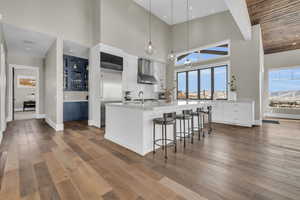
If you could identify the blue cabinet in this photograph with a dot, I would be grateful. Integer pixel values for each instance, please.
(75, 73)
(74, 111)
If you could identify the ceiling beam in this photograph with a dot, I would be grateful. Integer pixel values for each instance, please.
(240, 14)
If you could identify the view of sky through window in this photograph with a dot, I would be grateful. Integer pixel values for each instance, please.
(284, 88)
(205, 54)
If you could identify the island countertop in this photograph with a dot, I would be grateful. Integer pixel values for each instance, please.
(162, 105)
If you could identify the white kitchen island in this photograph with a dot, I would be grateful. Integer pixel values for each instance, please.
(131, 124)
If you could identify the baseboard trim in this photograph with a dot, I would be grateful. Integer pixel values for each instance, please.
(257, 123)
(94, 123)
(282, 115)
(56, 127)
(40, 116)
(9, 119)
(1, 136)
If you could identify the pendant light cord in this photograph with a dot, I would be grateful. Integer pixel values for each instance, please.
(172, 21)
(150, 21)
(188, 24)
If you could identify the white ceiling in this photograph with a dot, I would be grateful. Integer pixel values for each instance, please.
(198, 8)
(25, 42)
(74, 49)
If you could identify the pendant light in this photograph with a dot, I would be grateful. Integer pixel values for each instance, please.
(188, 62)
(150, 48)
(171, 56)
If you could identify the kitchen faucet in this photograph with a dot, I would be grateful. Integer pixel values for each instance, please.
(142, 93)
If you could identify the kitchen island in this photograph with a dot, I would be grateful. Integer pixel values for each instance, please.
(131, 124)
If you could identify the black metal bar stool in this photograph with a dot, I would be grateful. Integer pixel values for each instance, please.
(164, 141)
(199, 116)
(186, 116)
(208, 114)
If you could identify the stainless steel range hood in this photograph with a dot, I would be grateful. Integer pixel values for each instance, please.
(146, 72)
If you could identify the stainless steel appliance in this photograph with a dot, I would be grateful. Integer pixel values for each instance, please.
(146, 72)
(111, 81)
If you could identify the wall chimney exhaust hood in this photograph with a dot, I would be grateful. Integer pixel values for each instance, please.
(145, 72)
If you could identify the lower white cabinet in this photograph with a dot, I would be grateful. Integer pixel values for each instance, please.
(236, 113)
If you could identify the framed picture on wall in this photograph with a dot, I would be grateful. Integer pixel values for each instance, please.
(26, 81)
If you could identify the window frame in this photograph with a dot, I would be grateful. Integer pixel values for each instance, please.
(211, 83)
(198, 84)
(227, 86)
(186, 84)
(228, 42)
(211, 67)
(268, 93)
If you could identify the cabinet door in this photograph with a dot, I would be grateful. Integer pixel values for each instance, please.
(74, 111)
(160, 75)
(244, 114)
(130, 73)
(229, 113)
(84, 108)
(217, 112)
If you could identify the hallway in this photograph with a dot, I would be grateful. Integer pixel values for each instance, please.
(233, 163)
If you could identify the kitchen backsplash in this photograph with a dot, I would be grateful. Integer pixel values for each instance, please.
(69, 96)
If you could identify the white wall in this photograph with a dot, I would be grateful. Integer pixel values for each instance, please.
(245, 59)
(124, 25)
(17, 59)
(54, 85)
(3, 54)
(240, 14)
(68, 19)
(276, 61)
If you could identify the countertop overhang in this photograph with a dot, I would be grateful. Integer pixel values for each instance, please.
(161, 105)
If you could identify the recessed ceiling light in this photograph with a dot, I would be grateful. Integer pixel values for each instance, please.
(27, 48)
(297, 35)
(294, 43)
(165, 16)
(71, 51)
(191, 7)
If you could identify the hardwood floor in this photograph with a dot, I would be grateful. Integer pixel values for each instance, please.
(78, 164)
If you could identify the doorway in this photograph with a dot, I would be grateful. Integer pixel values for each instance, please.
(24, 92)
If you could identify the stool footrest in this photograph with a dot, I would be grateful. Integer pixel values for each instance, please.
(162, 140)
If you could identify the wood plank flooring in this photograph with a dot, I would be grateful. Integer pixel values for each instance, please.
(258, 163)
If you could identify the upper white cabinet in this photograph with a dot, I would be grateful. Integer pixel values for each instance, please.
(160, 75)
(130, 73)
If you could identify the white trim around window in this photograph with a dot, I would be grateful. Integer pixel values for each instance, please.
(203, 48)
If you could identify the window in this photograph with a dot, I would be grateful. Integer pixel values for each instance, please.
(181, 85)
(205, 84)
(220, 82)
(213, 52)
(284, 88)
(193, 84)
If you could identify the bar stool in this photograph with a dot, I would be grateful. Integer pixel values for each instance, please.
(167, 119)
(186, 116)
(207, 114)
(198, 114)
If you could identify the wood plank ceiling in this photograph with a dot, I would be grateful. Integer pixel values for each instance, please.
(280, 23)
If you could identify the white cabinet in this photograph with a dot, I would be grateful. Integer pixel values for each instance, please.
(130, 73)
(160, 75)
(217, 112)
(238, 113)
